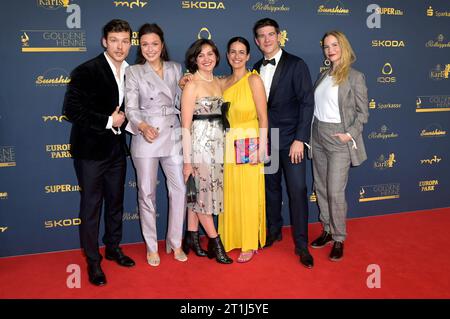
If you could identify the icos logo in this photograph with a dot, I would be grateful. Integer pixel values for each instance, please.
(333, 7)
(433, 103)
(70, 40)
(431, 12)
(431, 161)
(383, 134)
(7, 156)
(388, 43)
(204, 33)
(428, 186)
(53, 77)
(440, 42)
(387, 76)
(58, 150)
(369, 193)
(433, 130)
(383, 106)
(61, 188)
(130, 4)
(208, 5)
(62, 223)
(3, 195)
(54, 118)
(383, 162)
(440, 72)
(270, 6)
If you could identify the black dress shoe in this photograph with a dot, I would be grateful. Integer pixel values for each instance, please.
(271, 238)
(322, 240)
(337, 252)
(306, 259)
(117, 255)
(96, 275)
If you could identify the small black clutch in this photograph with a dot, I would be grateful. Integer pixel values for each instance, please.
(191, 190)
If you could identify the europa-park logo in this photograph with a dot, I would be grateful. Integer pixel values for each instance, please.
(432, 12)
(130, 4)
(333, 7)
(53, 77)
(208, 5)
(73, 39)
(7, 156)
(57, 151)
(369, 193)
(440, 42)
(270, 6)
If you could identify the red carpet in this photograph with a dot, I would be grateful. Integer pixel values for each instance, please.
(410, 248)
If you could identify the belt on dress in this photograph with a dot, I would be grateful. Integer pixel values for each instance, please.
(207, 117)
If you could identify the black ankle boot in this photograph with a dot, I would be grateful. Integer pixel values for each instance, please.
(215, 249)
(192, 241)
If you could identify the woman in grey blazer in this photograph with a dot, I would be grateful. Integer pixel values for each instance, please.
(151, 101)
(340, 111)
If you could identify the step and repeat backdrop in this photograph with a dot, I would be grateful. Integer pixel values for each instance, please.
(403, 48)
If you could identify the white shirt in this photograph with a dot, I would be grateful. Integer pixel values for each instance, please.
(266, 72)
(120, 80)
(327, 102)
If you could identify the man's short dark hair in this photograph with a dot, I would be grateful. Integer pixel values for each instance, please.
(194, 51)
(116, 25)
(264, 23)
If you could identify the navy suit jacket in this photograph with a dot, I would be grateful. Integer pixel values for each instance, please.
(291, 100)
(91, 97)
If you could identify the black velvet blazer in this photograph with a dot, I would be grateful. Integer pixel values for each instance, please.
(91, 97)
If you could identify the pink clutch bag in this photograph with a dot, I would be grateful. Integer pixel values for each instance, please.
(245, 149)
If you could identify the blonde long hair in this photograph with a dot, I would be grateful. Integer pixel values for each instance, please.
(340, 72)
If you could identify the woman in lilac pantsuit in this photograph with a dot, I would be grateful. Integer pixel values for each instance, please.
(151, 100)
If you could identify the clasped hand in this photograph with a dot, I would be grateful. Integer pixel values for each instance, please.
(118, 117)
(148, 132)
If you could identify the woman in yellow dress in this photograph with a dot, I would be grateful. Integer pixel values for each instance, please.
(243, 223)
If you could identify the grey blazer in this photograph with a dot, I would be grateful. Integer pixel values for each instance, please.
(156, 101)
(354, 111)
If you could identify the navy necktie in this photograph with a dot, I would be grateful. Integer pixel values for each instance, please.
(271, 61)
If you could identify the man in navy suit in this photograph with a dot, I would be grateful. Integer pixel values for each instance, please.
(290, 108)
(94, 104)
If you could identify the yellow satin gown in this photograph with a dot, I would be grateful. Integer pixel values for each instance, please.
(243, 223)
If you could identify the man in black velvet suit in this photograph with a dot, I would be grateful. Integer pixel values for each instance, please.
(290, 108)
(94, 104)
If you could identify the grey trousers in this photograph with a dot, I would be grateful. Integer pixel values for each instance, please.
(331, 164)
(147, 173)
